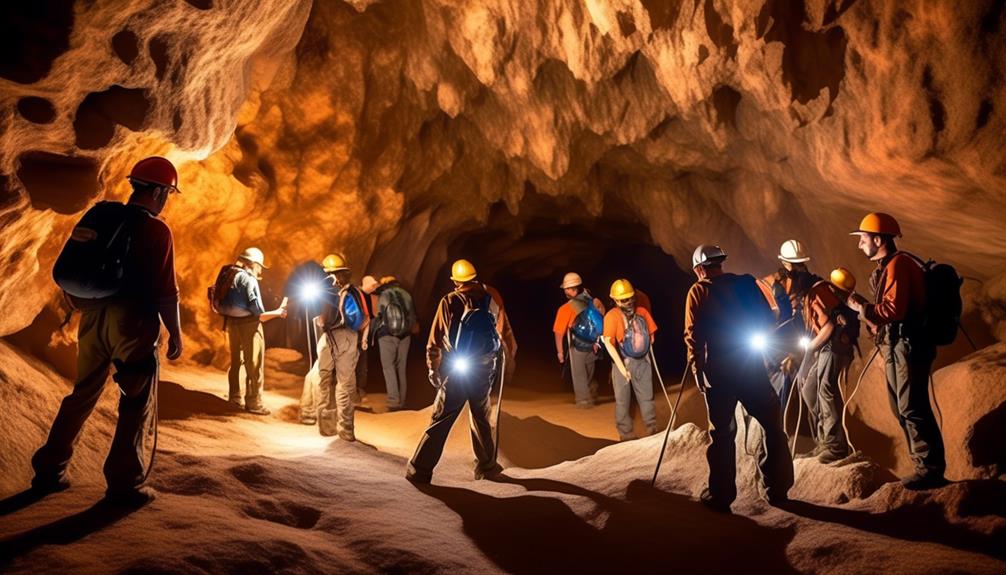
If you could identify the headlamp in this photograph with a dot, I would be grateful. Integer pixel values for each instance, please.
(460, 365)
(310, 291)
(759, 342)
(804, 342)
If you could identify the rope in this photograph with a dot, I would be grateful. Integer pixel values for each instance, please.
(845, 407)
(499, 403)
(155, 422)
(799, 417)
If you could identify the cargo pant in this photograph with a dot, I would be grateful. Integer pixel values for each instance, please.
(823, 398)
(309, 395)
(746, 383)
(907, 366)
(394, 353)
(642, 386)
(581, 366)
(362, 365)
(338, 353)
(473, 389)
(113, 335)
(247, 342)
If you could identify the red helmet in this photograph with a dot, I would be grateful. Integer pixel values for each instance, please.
(156, 170)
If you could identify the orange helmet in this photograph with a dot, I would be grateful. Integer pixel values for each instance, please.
(878, 223)
(156, 170)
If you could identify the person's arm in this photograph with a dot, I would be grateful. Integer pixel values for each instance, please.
(599, 305)
(896, 292)
(167, 296)
(558, 346)
(559, 328)
(695, 343)
(616, 358)
(438, 331)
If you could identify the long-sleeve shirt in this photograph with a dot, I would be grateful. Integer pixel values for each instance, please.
(717, 310)
(244, 298)
(900, 290)
(453, 306)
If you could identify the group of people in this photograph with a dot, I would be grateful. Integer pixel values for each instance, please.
(739, 334)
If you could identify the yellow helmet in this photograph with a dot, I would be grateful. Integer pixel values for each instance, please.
(878, 223)
(334, 263)
(622, 290)
(463, 271)
(843, 278)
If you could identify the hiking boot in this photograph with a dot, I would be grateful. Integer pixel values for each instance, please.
(309, 420)
(418, 478)
(712, 503)
(828, 457)
(347, 436)
(131, 498)
(628, 437)
(236, 402)
(585, 405)
(818, 450)
(490, 473)
(47, 485)
(921, 480)
(652, 430)
(258, 410)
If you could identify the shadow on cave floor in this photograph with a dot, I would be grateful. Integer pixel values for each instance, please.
(637, 536)
(176, 402)
(534, 443)
(925, 522)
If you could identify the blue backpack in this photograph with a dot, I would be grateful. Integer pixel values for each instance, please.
(344, 309)
(637, 336)
(588, 325)
(474, 333)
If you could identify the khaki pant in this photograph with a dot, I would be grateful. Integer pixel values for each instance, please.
(247, 341)
(581, 367)
(126, 338)
(337, 356)
(309, 396)
(394, 352)
(642, 386)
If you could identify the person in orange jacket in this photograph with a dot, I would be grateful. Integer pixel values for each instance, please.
(628, 334)
(581, 353)
(896, 316)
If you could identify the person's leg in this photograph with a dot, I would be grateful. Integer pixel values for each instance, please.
(479, 387)
(450, 400)
(832, 437)
(774, 464)
(346, 356)
(623, 399)
(580, 371)
(254, 365)
(360, 371)
(808, 389)
(234, 372)
(400, 363)
(388, 347)
(721, 454)
(925, 439)
(309, 396)
(93, 360)
(642, 387)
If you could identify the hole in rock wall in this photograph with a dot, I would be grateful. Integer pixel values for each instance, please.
(64, 184)
(32, 36)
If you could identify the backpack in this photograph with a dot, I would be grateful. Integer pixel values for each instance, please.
(345, 311)
(92, 262)
(396, 316)
(741, 312)
(221, 288)
(637, 336)
(474, 333)
(944, 306)
(588, 323)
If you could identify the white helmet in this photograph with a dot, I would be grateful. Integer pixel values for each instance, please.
(706, 255)
(255, 256)
(570, 280)
(792, 251)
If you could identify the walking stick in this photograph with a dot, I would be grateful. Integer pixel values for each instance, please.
(670, 424)
(965, 332)
(845, 407)
(660, 378)
(499, 403)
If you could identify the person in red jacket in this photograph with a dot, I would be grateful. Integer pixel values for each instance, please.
(895, 316)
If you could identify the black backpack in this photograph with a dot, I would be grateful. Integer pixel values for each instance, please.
(474, 333)
(396, 316)
(220, 289)
(944, 305)
(92, 263)
(742, 312)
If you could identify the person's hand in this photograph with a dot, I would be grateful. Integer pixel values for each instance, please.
(363, 345)
(174, 347)
(700, 380)
(435, 380)
(786, 366)
(561, 356)
(855, 302)
(282, 312)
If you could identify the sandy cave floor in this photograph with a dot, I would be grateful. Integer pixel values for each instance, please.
(239, 493)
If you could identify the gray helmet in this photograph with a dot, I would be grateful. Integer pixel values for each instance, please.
(706, 255)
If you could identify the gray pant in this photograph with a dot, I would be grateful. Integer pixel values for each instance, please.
(642, 386)
(745, 382)
(473, 388)
(581, 366)
(337, 357)
(394, 353)
(823, 398)
(907, 366)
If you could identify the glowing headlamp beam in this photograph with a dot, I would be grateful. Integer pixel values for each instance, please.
(310, 291)
(759, 342)
(804, 342)
(460, 365)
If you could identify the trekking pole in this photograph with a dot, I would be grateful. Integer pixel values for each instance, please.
(799, 417)
(499, 404)
(670, 424)
(660, 378)
(966, 335)
(845, 407)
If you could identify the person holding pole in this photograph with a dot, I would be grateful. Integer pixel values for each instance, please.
(462, 355)
(728, 325)
(628, 334)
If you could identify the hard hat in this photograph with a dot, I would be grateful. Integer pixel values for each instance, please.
(369, 284)
(843, 278)
(792, 251)
(334, 263)
(156, 170)
(572, 279)
(621, 290)
(255, 256)
(463, 271)
(387, 280)
(706, 255)
(878, 223)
